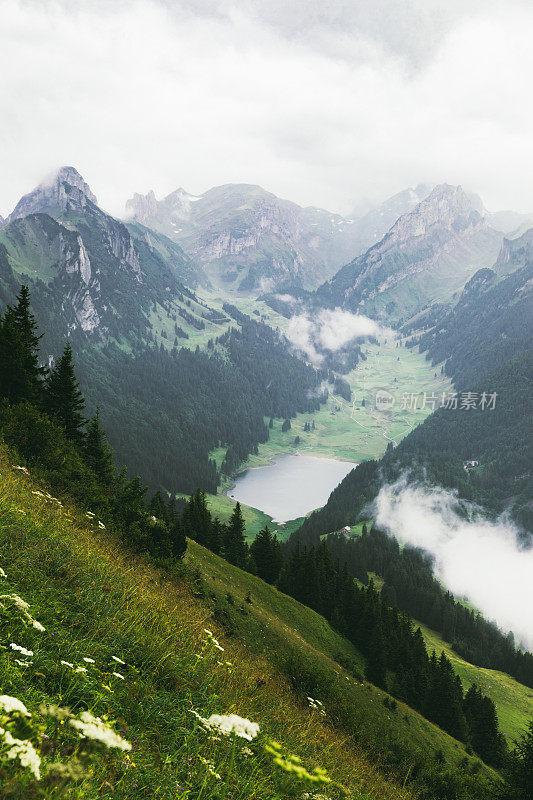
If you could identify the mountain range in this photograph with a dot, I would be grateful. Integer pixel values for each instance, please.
(95, 274)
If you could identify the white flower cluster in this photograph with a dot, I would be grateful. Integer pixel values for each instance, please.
(22, 606)
(229, 723)
(210, 768)
(316, 705)
(23, 750)
(22, 469)
(212, 640)
(91, 727)
(10, 704)
(22, 650)
(48, 497)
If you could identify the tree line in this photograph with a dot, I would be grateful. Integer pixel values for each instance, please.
(41, 417)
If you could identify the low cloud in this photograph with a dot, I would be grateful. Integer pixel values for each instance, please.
(329, 331)
(481, 560)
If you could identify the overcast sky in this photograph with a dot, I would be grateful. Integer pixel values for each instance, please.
(325, 102)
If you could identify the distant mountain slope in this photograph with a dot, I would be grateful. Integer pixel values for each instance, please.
(249, 239)
(493, 319)
(90, 271)
(426, 256)
(370, 228)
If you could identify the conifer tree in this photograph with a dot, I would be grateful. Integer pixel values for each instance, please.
(375, 666)
(235, 547)
(63, 398)
(266, 552)
(97, 451)
(20, 373)
(519, 771)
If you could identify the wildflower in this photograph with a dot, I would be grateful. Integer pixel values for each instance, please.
(101, 525)
(210, 768)
(10, 704)
(22, 663)
(20, 649)
(19, 602)
(37, 625)
(24, 751)
(247, 752)
(232, 723)
(118, 660)
(93, 728)
(38, 494)
(89, 660)
(22, 469)
(293, 764)
(118, 675)
(90, 515)
(80, 669)
(67, 664)
(2, 573)
(209, 633)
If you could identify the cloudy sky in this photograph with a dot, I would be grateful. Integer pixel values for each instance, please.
(326, 102)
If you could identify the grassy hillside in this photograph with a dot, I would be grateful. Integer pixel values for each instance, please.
(98, 602)
(514, 702)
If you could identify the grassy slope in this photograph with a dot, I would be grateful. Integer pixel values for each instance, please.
(514, 702)
(96, 600)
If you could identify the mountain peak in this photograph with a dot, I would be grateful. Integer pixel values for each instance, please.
(62, 190)
(445, 206)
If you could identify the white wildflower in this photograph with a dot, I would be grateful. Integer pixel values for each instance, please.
(210, 768)
(247, 752)
(19, 602)
(2, 573)
(118, 675)
(118, 660)
(80, 669)
(101, 525)
(38, 494)
(24, 751)
(209, 633)
(10, 704)
(22, 663)
(67, 664)
(20, 649)
(93, 728)
(89, 660)
(90, 515)
(232, 723)
(22, 469)
(37, 625)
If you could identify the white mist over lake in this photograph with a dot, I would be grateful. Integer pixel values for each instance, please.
(291, 487)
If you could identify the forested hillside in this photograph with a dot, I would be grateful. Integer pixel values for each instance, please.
(490, 322)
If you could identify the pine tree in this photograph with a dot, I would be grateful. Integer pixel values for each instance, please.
(197, 519)
(235, 547)
(376, 671)
(63, 398)
(20, 373)
(519, 771)
(97, 451)
(266, 553)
